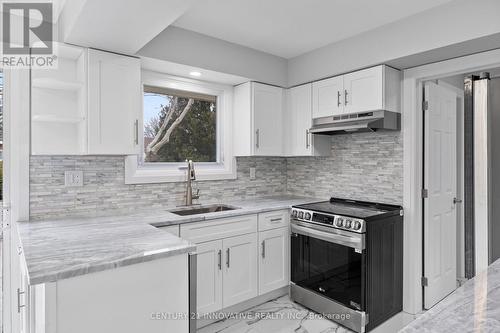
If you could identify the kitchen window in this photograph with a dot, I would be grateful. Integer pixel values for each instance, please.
(182, 119)
(179, 125)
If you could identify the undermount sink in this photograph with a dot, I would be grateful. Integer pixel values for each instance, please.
(201, 209)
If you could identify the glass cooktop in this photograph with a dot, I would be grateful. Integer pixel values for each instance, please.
(341, 208)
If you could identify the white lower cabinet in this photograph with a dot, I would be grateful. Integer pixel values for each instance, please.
(126, 299)
(274, 259)
(240, 272)
(231, 267)
(209, 277)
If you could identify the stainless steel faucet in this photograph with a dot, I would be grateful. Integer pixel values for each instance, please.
(189, 188)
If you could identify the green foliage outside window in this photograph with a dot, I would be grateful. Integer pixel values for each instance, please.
(180, 128)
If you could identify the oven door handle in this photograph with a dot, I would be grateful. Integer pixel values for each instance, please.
(354, 242)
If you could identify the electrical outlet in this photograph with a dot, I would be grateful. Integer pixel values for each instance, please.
(252, 173)
(73, 178)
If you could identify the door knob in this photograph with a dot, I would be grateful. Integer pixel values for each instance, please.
(456, 201)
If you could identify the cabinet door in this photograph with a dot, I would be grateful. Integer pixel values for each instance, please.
(209, 277)
(273, 260)
(299, 114)
(364, 90)
(268, 120)
(327, 97)
(114, 103)
(240, 269)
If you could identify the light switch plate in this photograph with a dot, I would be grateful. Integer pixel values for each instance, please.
(252, 173)
(73, 178)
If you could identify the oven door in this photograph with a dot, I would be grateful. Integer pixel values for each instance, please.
(330, 262)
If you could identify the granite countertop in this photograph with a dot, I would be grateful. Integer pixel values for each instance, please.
(64, 248)
(474, 307)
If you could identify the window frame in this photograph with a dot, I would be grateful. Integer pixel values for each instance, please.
(139, 172)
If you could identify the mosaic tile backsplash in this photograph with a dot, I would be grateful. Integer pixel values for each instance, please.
(365, 166)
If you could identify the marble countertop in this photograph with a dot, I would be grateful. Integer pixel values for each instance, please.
(474, 307)
(64, 248)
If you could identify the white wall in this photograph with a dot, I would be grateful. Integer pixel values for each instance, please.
(452, 23)
(194, 49)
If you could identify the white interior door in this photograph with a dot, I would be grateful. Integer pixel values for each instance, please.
(440, 168)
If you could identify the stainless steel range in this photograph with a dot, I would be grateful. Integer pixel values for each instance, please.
(347, 261)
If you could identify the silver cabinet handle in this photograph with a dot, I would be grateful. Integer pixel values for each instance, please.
(220, 259)
(307, 139)
(228, 253)
(263, 249)
(356, 241)
(338, 99)
(257, 138)
(19, 306)
(276, 219)
(345, 97)
(136, 128)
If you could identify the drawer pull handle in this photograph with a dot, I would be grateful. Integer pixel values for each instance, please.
(276, 220)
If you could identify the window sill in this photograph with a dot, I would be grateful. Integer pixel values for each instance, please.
(135, 174)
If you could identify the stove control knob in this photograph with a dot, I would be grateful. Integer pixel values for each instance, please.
(340, 222)
(301, 215)
(356, 225)
(347, 224)
(294, 213)
(307, 216)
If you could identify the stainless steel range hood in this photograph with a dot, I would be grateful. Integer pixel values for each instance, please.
(357, 122)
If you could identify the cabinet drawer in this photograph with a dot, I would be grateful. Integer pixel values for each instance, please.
(173, 229)
(219, 228)
(273, 220)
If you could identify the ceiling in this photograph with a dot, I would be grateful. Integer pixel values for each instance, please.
(288, 28)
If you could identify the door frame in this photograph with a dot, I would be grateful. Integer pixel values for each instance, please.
(412, 127)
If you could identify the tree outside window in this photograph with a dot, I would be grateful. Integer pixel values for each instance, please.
(179, 125)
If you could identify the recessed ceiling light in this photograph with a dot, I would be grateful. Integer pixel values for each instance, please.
(194, 73)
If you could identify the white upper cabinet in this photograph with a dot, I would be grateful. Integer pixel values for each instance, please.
(298, 120)
(59, 104)
(376, 88)
(89, 104)
(114, 103)
(328, 97)
(258, 120)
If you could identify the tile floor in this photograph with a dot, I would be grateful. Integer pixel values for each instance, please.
(277, 316)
